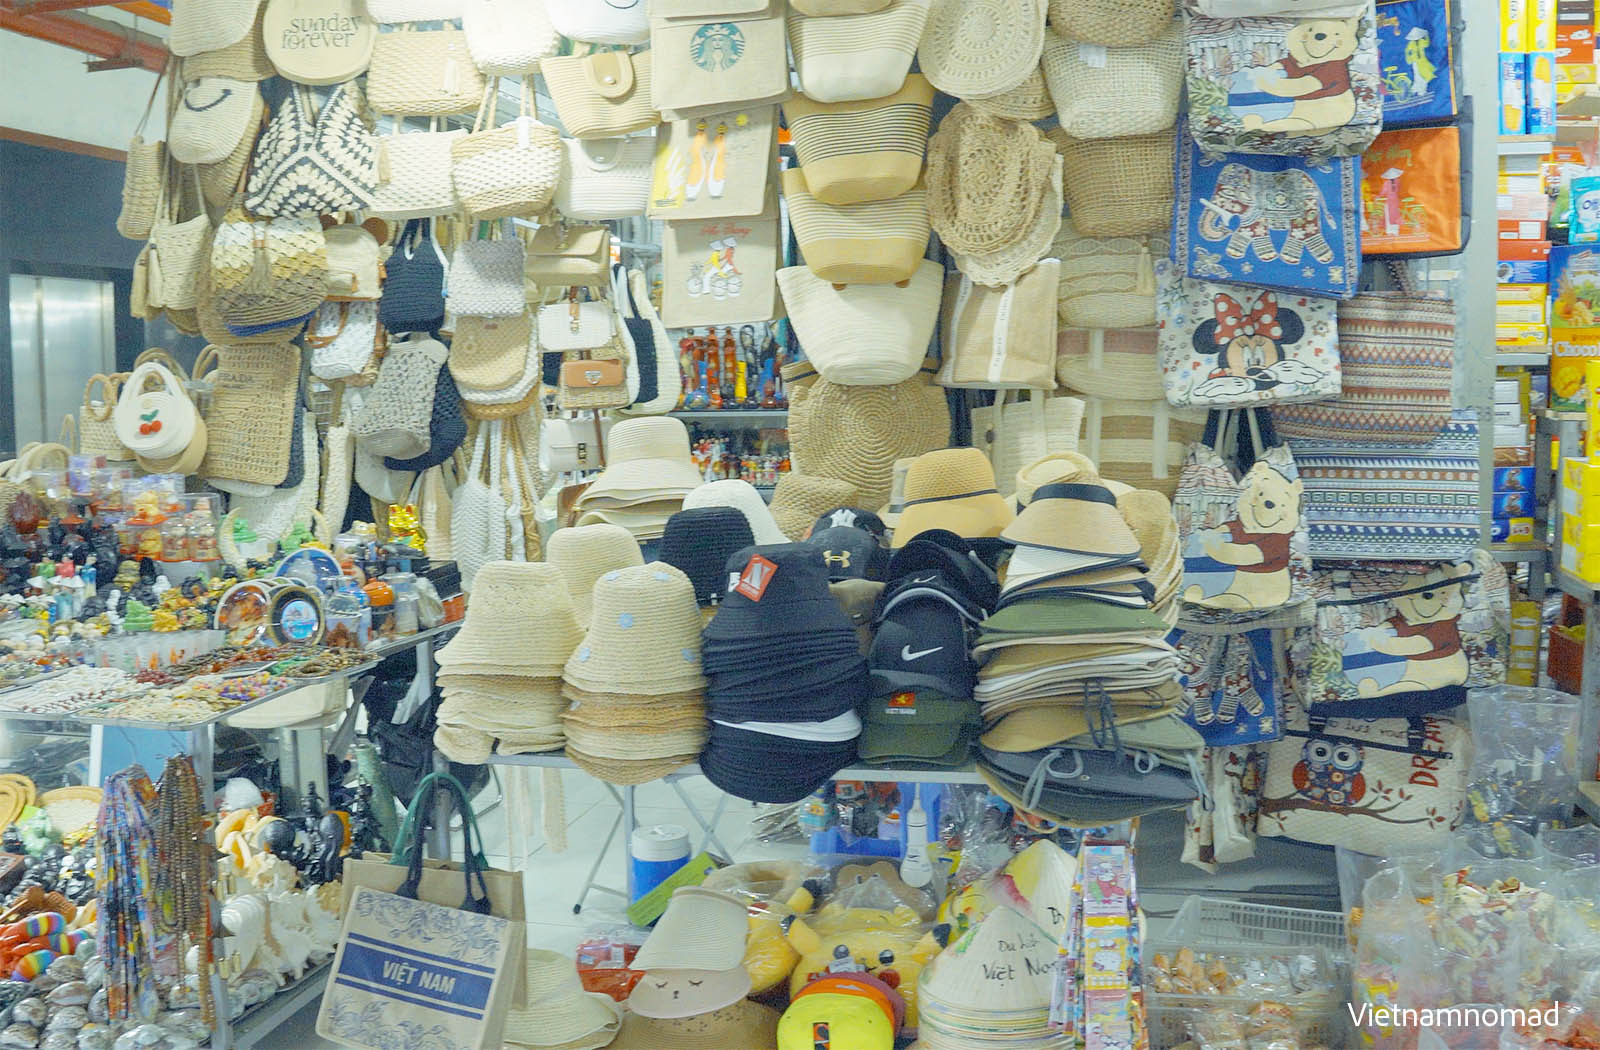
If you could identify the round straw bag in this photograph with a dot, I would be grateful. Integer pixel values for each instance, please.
(855, 433)
(1112, 23)
(1119, 187)
(1119, 91)
(97, 435)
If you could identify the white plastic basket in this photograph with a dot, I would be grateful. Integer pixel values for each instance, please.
(1217, 922)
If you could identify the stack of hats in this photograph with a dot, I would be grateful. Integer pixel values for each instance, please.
(799, 498)
(852, 542)
(501, 674)
(648, 473)
(992, 988)
(584, 553)
(744, 498)
(637, 694)
(785, 677)
(952, 489)
(890, 514)
(700, 540)
(556, 1013)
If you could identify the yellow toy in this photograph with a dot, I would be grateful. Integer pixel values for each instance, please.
(773, 890)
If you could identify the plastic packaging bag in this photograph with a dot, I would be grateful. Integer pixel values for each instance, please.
(1526, 754)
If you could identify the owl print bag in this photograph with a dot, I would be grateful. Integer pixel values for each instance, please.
(1275, 222)
(1366, 786)
(1298, 87)
(1231, 346)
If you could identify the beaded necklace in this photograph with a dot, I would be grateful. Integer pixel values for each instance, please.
(124, 852)
(185, 871)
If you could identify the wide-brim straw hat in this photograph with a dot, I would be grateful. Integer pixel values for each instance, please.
(520, 621)
(557, 1012)
(470, 747)
(585, 553)
(645, 522)
(800, 498)
(897, 493)
(644, 635)
(1077, 518)
(981, 48)
(987, 180)
(700, 930)
(742, 1026)
(209, 25)
(647, 453)
(744, 498)
(953, 489)
(1149, 515)
(609, 710)
(1003, 267)
(625, 743)
(1029, 100)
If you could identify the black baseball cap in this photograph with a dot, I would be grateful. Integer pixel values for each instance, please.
(922, 645)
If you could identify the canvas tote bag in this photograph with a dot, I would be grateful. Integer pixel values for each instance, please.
(711, 54)
(714, 165)
(1001, 338)
(720, 271)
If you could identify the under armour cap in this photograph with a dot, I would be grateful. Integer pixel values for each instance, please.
(776, 589)
(851, 553)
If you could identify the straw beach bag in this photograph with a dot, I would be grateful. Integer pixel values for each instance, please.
(853, 152)
(251, 416)
(863, 334)
(142, 179)
(177, 247)
(851, 57)
(1121, 187)
(880, 242)
(1014, 433)
(603, 95)
(603, 179)
(509, 170)
(1108, 92)
(423, 73)
(1112, 23)
(1116, 363)
(97, 434)
(1139, 443)
(1106, 282)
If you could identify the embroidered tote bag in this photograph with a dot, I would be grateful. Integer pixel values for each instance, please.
(423, 73)
(1417, 53)
(861, 56)
(1001, 338)
(715, 165)
(413, 296)
(720, 271)
(1232, 692)
(414, 174)
(1396, 640)
(314, 163)
(1396, 351)
(1366, 786)
(863, 334)
(1225, 345)
(603, 95)
(871, 150)
(1244, 541)
(1275, 222)
(603, 179)
(1390, 501)
(1412, 198)
(1302, 87)
(711, 54)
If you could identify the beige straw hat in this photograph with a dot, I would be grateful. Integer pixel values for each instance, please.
(630, 773)
(744, 498)
(585, 553)
(952, 488)
(981, 48)
(1149, 514)
(644, 636)
(557, 1012)
(646, 454)
(470, 747)
(1002, 267)
(520, 621)
(800, 499)
(633, 743)
(700, 930)
(1029, 100)
(1076, 517)
(987, 179)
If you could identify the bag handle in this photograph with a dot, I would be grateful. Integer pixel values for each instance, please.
(155, 89)
(163, 357)
(316, 340)
(110, 386)
(1403, 277)
(29, 458)
(476, 896)
(68, 435)
(209, 360)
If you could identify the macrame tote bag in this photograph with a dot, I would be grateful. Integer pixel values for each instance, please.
(880, 242)
(603, 95)
(508, 37)
(342, 338)
(1227, 345)
(854, 152)
(424, 73)
(397, 408)
(1108, 92)
(485, 277)
(849, 58)
(1001, 338)
(863, 334)
(613, 22)
(178, 246)
(1119, 187)
(1106, 282)
(604, 179)
(1111, 23)
(509, 170)
(314, 163)
(267, 272)
(413, 296)
(415, 180)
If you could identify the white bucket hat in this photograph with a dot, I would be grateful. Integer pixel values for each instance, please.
(209, 25)
(981, 48)
(744, 498)
(647, 455)
(520, 621)
(644, 637)
(557, 1012)
(587, 552)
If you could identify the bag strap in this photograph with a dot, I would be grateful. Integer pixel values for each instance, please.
(488, 107)
(68, 435)
(110, 385)
(29, 458)
(316, 340)
(1404, 279)
(476, 894)
(155, 89)
(163, 357)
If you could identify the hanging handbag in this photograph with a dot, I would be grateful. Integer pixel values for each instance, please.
(1396, 352)
(1415, 195)
(863, 334)
(478, 510)
(508, 170)
(391, 11)
(1393, 501)
(423, 73)
(592, 384)
(880, 242)
(447, 429)
(852, 152)
(267, 272)
(491, 353)
(603, 95)
(715, 165)
(1107, 92)
(1119, 363)
(720, 271)
(1225, 345)
(1014, 433)
(711, 55)
(142, 176)
(1417, 54)
(1106, 282)
(1396, 641)
(1260, 86)
(1111, 23)
(603, 179)
(245, 59)
(396, 409)
(660, 378)
(178, 246)
(413, 295)
(614, 22)
(251, 414)
(561, 256)
(1272, 222)
(155, 423)
(354, 260)
(848, 58)
(1233, 694)
(1139, 443)
(342, 338)
(314, 163)
(211, 118)
(567, 445)
(1238, 513)
(319, 41)
(415, 179)
(97, 431)
(485, 277)
(1120, 187)
(1001, 338)
(508, 37)
(573, 326)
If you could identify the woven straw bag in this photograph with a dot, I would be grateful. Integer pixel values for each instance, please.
(613, 22)
(1106, 282)
(396, 410)
(1001, 338)
(267, 271)
(879, 242)
(142, 177)
(1014, 433)
(1119, 187)
(244, 59)
(835, 8)
(1110, 363)
(342, 338)
(855, 433)
(415, 177)
(850, 57)
(593, 384)
(1140, 443)
(987, 179)
(177, 249)
(485, 278)
(852, 152)
(251, 415)
(509, 170)
(97, 434)
(1029, 100)
(1112, 23)
(1108, 92)
(508, 37)
(489, 353)
(314, 163)
(603, 95)
(477, 508)
(423, 73)
(562, 256)
(274, 515)
(603, 179)
(863, 334)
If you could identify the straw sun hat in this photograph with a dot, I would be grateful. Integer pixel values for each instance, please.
(557, 1012)
(981, 48)
(644, 636)
(647, 454)
(800, 499)
(585, 553)
(952, 488)
(520, 621)
(742, 1026)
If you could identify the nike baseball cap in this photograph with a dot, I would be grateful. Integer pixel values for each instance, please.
(921, 645)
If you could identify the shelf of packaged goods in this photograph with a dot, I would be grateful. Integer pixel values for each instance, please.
(960, 775)
(263, 1019)
(1514, 552)
(739, 417)
(1522, 360)
(1589, 799)
(1525, 145)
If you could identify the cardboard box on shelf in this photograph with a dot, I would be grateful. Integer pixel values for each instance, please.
(1509, 415)
(1575, 12)
(1521, 229)
(1513, 93)
(1511, 530)
(1520, 303)
(1575, 286)
(1540, 118)
(1574, 73)
(1513, 479)
(1522, 667)
(1580, 547)
(1580, 486)
(1514, 18)
(1524, 262)
(1574, 45)
(1570, 354)
(1513, 337)
(1541, 26)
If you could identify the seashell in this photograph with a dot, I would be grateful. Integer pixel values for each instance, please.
(67, 968)
(185, 1023)
(60, 1039)
(24, 1035)
(70, 1018)
(69, 993)
(94, 973)
(86, 949)
(99, 1008)
(32, 1011)
(96, 1037)
(148, 1035)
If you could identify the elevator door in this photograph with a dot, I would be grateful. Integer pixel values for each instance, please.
(62, 332)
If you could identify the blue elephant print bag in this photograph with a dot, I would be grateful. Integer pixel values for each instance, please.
(1273, 222)
(1416, 56)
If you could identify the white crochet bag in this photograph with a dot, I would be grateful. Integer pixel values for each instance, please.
(478, 529)
(485, 278)
(398, 406)
(414, 177)
(342, 337)
(508, 37)
(507, 170)
(413, 10)
(608, 22)
(1110, 92)
(604, 179)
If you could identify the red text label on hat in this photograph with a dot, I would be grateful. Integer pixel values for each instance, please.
(758, 573)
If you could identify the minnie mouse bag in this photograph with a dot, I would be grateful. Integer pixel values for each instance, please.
(1224, 345)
